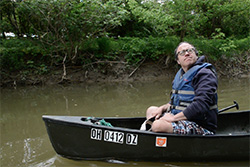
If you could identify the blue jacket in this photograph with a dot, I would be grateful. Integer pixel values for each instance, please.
(194, 93)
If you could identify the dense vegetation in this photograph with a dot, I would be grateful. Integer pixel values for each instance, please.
(89, 33)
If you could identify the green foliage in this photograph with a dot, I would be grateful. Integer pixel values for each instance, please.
(24, 53)
(137, 49)
(104, 45)
(93, 31)
(63, 26)
(216, 48)
(7, 15)
(62, 21)
(19, 54)
(151, 13)
(194, 17)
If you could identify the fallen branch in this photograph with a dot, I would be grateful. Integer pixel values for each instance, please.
(132, 73)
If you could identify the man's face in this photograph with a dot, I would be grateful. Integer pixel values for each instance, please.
(188, 58)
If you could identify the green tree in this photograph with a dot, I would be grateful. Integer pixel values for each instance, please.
(153, 14)
(9, 19)
(194, 17)
(63, 27)
(231, 16)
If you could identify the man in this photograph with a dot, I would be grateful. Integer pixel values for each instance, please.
(193, 106)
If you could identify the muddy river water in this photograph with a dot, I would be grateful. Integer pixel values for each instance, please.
(24, 141)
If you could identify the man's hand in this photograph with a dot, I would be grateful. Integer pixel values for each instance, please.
(162, 109)
(168, 117)
(173, 118)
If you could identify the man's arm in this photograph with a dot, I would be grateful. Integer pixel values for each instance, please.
(205, 86)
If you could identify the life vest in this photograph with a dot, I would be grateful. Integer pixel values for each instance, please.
(182, 94)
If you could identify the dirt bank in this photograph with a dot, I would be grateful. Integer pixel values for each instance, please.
(110, 73)
(117, 72)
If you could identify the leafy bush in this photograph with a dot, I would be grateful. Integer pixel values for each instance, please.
(216, 48)
(16, 53)
(137, 49)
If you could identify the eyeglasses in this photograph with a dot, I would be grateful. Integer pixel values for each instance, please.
(183, 52)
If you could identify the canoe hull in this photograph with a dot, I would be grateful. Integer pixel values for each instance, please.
(75, 139)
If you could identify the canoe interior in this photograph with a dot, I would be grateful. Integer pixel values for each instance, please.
(228, 123)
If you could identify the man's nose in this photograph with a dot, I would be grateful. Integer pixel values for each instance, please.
(186, 53)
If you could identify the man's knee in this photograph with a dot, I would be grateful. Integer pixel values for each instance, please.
(162, 126)
(156, 126)
(150, 111)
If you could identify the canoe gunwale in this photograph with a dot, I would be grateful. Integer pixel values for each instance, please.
(78, 122)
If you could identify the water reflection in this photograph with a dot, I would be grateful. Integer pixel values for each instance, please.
(46, 163)
(24, 141)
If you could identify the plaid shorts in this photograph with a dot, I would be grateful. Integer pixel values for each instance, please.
(188, 127)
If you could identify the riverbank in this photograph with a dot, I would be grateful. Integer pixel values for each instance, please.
(112, 72)
(116, 72)
(25, 61)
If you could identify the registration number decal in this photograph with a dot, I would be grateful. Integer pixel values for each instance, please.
(114, 136)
